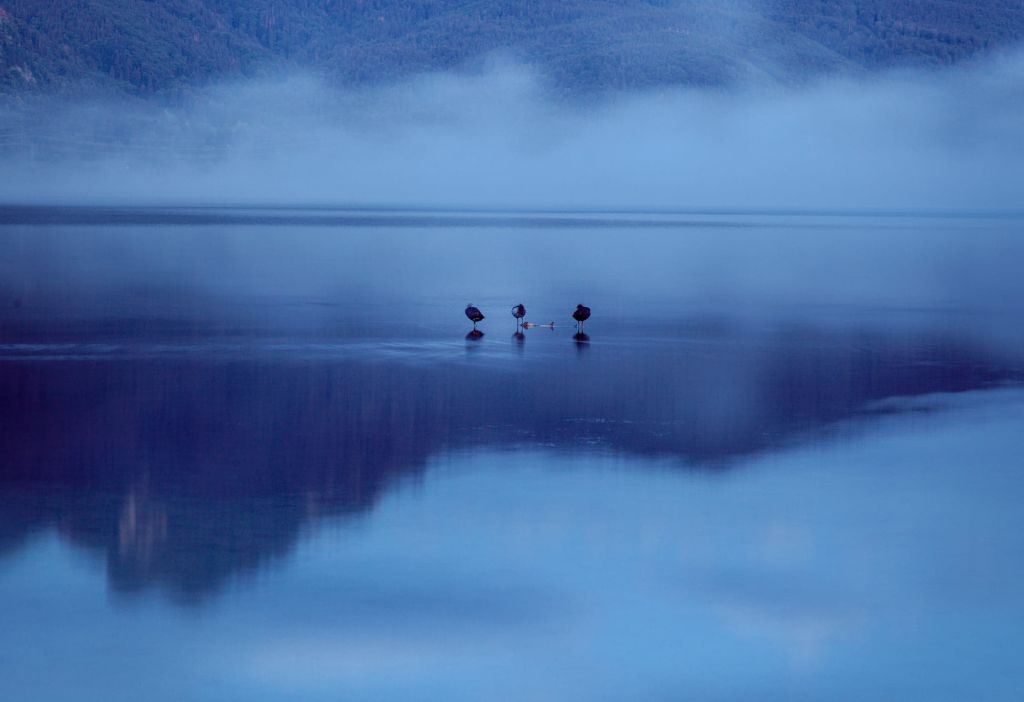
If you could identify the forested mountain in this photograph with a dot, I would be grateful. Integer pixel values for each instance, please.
(156, 46)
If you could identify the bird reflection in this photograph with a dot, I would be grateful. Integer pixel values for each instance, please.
(518, 338)
(582, 340)
(474, 335)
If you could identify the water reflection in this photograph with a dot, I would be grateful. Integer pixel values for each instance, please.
(288, 435)
(794, 575)
(186, 471)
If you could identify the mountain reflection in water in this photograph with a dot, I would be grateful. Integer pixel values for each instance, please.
(185, 469)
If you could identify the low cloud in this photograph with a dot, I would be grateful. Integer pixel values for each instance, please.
(500, 138)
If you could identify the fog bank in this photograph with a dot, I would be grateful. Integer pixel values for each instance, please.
(498, 138)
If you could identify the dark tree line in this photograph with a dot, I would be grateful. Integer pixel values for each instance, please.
(149, 46)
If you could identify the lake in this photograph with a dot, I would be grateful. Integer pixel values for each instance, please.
(256, 453)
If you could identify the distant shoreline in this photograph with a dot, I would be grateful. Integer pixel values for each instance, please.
(357, 215)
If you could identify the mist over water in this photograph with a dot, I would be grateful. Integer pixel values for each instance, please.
(502, 137)
(324, 271)
(250, 447)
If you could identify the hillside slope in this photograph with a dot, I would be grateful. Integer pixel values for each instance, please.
(153, 46)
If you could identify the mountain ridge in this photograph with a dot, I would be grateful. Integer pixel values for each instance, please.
(155, 47)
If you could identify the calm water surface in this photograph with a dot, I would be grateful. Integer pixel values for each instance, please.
(253, 454)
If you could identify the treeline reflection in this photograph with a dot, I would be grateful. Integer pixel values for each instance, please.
(187, 472)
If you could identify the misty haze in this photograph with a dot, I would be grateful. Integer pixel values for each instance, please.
(500, 136)
(273, 424)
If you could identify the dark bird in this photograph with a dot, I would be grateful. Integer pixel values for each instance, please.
(474, 314)
(518, 312)
(581, 314)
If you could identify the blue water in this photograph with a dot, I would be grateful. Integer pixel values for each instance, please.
(255, 455)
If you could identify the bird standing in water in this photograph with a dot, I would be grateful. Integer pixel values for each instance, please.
(581, 314)
(474, 314)
(519, 311)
